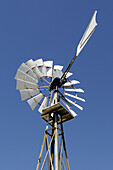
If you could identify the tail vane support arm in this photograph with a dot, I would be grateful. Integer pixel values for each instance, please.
(68, 68)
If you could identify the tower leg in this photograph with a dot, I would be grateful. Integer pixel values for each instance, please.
(39, 160)
(64, 145)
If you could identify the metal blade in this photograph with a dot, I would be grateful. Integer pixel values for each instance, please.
(57, 73)
(75, 90)
(39, 62)
(40, 70)
(32, 74)
(69, 74)
(49, 71)
(33, 92)
(27, 70)
(48, 64)
(43, 105)
(58, 67)
(23, 67)
(79, 107)
(23, 76)
(71, 83)
(31, 64)
(89, 31)
(20, 74)
(71, 111)
(35, 100)
(75, 97)
(41, 67)
(21, 84)
(37, 72)
(64, 98)
(38, 97)
(27, 93)
(43, 70)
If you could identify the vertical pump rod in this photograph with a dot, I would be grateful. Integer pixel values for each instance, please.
(56, 133)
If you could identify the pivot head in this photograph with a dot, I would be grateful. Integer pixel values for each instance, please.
(57, 83)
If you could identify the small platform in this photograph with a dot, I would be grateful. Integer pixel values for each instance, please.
(60, 110)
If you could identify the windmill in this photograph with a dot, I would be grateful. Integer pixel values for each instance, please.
(41, 83)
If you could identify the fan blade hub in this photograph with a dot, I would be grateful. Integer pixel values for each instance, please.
(57, 83)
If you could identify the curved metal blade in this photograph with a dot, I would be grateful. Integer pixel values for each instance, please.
(58, 67)
(43, 105)
(43, 70)
(75, 97)
(49, 71)
(37, 72)
(23, 76)
(21, 84)
(57, 73)
(79, 107)
(40, 69)
(48, 64)
(64, 98)
(69, 74)
(31, 64)
(35, 100)
(71, 111)
(27, 93)
(71, 83)
(39, 62)
(32, 74)
(48, 68)
(23, 67)
(75, 90)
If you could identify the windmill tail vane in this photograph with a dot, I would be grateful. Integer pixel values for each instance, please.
(39, 82)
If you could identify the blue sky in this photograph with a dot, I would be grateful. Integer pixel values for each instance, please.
(51, 30)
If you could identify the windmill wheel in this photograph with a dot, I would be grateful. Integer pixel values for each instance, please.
(34, 79)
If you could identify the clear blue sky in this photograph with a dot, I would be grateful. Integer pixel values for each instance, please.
(51, 30)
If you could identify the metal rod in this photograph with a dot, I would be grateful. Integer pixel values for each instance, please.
(52, 145)
(46, 80)
(56, 142)
(42, 87)
(68, 68)
(56, 133)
